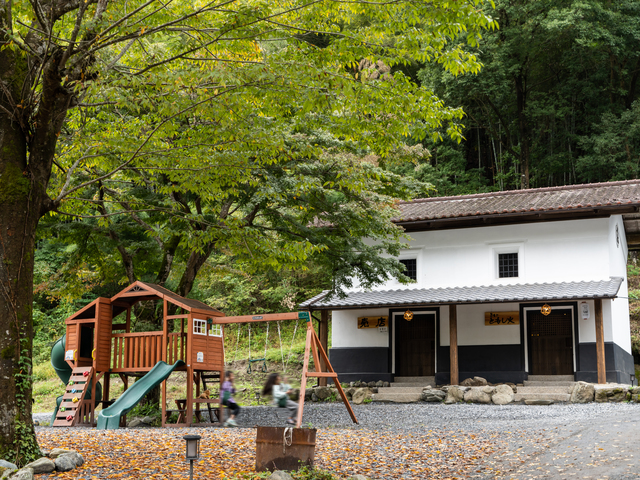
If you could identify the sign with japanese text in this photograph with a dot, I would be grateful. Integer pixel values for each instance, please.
(373, 322)
(502, 318)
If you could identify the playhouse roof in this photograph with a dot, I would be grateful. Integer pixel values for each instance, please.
(143, 290)
(516, 206)
(456, 295)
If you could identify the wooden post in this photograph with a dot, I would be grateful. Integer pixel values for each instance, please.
(187, 360)
(602, 368)
(323, 335)
(453, 345)
(163, 357)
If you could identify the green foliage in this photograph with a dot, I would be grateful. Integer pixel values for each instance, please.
(303, 473)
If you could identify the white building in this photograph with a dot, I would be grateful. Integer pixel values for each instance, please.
(507, 284)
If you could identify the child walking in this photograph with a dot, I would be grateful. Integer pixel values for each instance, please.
(280, 394)
(227, 391)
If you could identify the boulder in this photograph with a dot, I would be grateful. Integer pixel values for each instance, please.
(432, 395)
(6, 472)
(538, 401)
(280, 475)
(23, 474)
(371, 384)
(136, 422)
(149, 420)
(474, 382)
(307, 394)
(386, 384)
(64, 463)
(379, 384)
(5, 464)
(488, 389)
(502, 395)
(323, 393)
(635, 397)
(295, 394)
(582, 392)
(477, 395)
(360, 395)
(635, 391)
(60, 451)
(314, 397)
(42, 465)
(612, 394)
(357, 477)
(455, 394)
(79, 459)
(349, 392)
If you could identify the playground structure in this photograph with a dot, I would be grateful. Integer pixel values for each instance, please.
(96, 347)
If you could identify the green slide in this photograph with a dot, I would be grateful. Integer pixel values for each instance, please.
(109, 418)
(63, 370)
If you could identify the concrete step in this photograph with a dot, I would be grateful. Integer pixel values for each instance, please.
(552, 378)
(421, 380)
(411, 384)
(556, 397)
(397, 397)
(542, 383)
(545, 389)
(401, 389)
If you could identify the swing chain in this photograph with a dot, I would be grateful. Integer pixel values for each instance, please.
(295, 329)
(281, 352)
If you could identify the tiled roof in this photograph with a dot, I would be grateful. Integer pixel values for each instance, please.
(481, 294)
(552, 199)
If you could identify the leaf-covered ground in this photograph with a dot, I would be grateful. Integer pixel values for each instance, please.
(159, 453)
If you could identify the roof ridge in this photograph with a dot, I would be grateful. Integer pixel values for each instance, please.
(581, 186)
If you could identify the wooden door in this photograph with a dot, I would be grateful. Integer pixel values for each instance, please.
(550, 342)
(415, 345)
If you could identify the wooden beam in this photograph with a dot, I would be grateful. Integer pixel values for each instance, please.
(453, 345)
(267, 317)
(602, 368)
(323, 335)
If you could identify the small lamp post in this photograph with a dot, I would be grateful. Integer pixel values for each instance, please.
(193, 451)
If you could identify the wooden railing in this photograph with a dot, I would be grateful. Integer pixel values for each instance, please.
(176, 347)
(136, 351)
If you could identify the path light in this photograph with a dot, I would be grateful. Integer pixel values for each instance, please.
(193, 451)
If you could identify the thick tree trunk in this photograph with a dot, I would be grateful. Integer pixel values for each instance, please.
(20, 200)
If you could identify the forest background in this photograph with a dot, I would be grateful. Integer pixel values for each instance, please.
(555, 103)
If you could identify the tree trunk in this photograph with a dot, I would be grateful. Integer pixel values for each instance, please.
(523, 127)
(20, 201)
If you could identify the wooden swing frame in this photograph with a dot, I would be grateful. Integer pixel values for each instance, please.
(313, 346)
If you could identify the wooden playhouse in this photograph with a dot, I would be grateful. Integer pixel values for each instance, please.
(99, 341)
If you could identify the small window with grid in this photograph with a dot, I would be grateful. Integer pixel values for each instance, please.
(411, 266)
(507, 265)
(215, 330)
(199, 326)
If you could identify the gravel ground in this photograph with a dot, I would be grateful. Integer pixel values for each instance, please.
(513, 441)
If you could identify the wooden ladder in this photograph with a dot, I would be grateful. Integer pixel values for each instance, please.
(69, 411)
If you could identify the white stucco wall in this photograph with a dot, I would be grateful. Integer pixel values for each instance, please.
(473, 331)
(549, 252)
(345, 331)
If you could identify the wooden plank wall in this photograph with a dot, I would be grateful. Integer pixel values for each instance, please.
(72, 337)
(103, 344)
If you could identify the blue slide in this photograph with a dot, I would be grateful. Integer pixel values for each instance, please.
(109, 418)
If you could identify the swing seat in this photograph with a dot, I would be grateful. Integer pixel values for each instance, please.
(263, 368)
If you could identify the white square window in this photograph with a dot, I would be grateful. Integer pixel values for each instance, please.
(215, 330)
(508, 261)
(199, 326)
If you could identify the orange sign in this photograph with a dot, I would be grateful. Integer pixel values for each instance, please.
(373, 322)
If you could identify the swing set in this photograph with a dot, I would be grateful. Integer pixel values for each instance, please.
(263, 367)
(313, 346)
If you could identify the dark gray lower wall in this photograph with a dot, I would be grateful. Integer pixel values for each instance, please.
(495, 363)
(619, 364)
(367, 364)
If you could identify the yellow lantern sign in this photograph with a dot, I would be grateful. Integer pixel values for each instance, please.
(545, 310)
(408, 315)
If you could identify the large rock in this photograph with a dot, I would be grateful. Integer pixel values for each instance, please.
(477, 395)
(149, 420)
(323, 393)
(502, 395)
(582, 392)
(136, 422)
(360, 395)
(42, 465)
(358, 477)
(64, 463)
(474, 382)
(6, 472)
(280, 475)
(455, 394)
(23, 474)
(307, 394)
(349, 392)
(635, 391)
(432, 395)
(60, 451)
(612, 394)
(5, 464)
